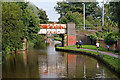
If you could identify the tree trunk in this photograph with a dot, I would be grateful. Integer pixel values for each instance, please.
(27, 44)
(15, 49)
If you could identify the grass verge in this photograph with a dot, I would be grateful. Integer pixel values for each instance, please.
(58, 39)
(93, 47)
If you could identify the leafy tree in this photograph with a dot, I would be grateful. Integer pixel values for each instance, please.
(30, 20)
(72, 17)
(114, 12)
(25, 17)
(109, 26)
(93, 38)
(12, 27)
(19, 21)
(39, 12)
(91, 8)
(42, 16)
(111, 38)
(73, 12)
(110, 23)
(39, 42)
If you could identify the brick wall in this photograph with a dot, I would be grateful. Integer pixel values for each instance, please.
(85, 39)
(71, 34)
(71, 40)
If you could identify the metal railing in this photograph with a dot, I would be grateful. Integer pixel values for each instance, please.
(88, 27)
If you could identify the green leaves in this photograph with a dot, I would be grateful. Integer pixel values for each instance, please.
(73, 12)
(111, 38)
(93, 37)
(71, 17)
(20, 21)
(12, 25)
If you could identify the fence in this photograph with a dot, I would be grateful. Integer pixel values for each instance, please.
(88, 27)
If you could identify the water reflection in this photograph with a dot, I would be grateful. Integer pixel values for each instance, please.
(47, 63)
(53, 66)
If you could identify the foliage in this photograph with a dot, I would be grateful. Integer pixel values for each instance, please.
(71, 17)
(32, 17)
(30, 20)
(93, 37)
(58, 39)
(111, 38)
(109, 26)
(42, 16)
(33, 26)
(19, 21)
(73, 12)
(64, 7)
(114, 12)
(110, 21)
(56, 35)
(12, 27)
(39, 43)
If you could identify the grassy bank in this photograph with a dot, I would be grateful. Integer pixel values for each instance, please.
(58, 39)
(93, 47)
(111, 62)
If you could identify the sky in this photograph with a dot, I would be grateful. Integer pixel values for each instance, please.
(48, 6)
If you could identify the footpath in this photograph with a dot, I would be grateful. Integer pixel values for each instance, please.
(107, 53)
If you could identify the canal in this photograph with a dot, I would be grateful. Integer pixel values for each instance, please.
(48, 63)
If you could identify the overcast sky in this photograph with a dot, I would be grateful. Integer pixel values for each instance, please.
(48, 6)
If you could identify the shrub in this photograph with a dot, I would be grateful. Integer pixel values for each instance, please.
(93, 37)
(111, 38)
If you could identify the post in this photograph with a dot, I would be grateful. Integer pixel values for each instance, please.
(64, 40)
(84, 15)
(103, 15)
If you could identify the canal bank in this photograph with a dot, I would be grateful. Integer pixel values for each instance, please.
(111, 62)
(46, 62)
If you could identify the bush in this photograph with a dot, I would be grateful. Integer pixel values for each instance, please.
(39, 42)
(93, 37)
(111, 38)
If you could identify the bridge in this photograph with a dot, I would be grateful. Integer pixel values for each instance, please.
(66, 30)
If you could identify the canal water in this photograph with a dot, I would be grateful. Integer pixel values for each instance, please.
(48, 63)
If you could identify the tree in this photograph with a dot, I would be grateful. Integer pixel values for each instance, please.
(111, 20)
(18, 21)
(42, 16)
(30, 21)
(74, 10)
(32, 17)
(114, 12)
(12, 27)
(39, 12)
(33, 26)
(91, 8)
(72, 17)
(111, 38)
